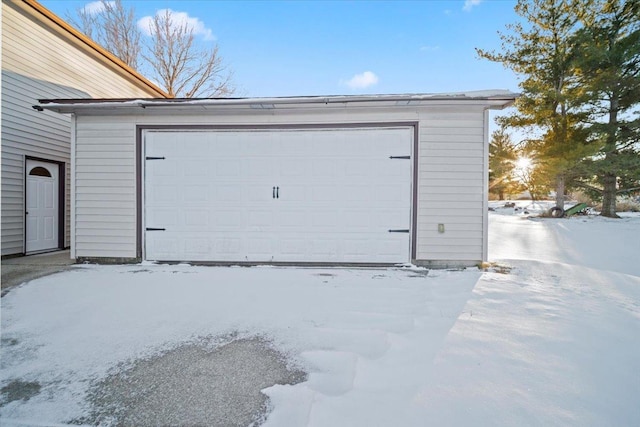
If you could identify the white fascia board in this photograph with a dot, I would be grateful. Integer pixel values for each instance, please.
(490, 99)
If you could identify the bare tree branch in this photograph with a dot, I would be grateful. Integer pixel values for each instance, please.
(181, 67)
(171, 56)
(122, 36)
(113, 27)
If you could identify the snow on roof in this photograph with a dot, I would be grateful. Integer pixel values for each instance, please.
(500, 97)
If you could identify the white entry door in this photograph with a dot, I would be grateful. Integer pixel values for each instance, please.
(42, 210)
(303, 195)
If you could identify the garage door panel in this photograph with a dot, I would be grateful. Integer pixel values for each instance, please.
(166, 195)
(293, 220)
(260, 248)
(324, 168)
(230, 168)
(338, 194)
(167, 217)
(292, 194)
(196, 168)
(260, 193)
(293, 167)
(258, 168)
(225, 193)
(197, 219)
(260, 220)
(195, 194)
(228, 219)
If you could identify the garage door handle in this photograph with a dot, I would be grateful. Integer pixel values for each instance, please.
(404, 230)
(154, 229)
(273, 193)
(277, 192)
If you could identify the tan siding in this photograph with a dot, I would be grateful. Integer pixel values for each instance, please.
(39, 63)
(53, 59)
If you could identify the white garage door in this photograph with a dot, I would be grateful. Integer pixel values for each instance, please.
(313, 195)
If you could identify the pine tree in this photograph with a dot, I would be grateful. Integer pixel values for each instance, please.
(502, 163)
(542, 54)
(608, 63)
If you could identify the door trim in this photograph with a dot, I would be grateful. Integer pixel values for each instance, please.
(302, 126)
(62, 179)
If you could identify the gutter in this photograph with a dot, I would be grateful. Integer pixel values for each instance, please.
(501, 98)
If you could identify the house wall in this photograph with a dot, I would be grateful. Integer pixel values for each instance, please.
(451, 187)
(42, 61)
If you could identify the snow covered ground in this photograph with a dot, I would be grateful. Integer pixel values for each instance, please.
(548, 336)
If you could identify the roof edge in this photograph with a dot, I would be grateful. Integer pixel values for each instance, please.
(503, 97)
(92, 45)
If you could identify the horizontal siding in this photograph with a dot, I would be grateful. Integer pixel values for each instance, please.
(39, 63)
(115, 147)
(451, 187)
(105, 177)
(451, 168)
(85, 189)
(450, 176)
(30, 49)
(27, 132)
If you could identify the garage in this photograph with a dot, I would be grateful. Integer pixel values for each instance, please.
(331, 180)
(278, 195)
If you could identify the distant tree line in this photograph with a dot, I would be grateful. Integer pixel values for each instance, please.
(170, 56)
(579, 64)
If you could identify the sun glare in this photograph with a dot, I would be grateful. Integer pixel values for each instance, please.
(523, 163)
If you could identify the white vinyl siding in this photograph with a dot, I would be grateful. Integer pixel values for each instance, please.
(27, 132)
(105, 188)
(450, 173)
(38, 63)
(451, 186)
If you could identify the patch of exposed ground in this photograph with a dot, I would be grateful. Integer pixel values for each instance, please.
(19, 390)
(193, 385)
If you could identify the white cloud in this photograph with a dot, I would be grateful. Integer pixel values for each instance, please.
(469, 4)
(361, 81)
(178, 18)
(96, 7)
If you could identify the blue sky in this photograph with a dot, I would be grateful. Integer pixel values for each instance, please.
(289, 48)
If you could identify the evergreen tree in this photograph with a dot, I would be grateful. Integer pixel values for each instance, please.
(608, 63)
(502, 162)
(542, 54)
(536, 176)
